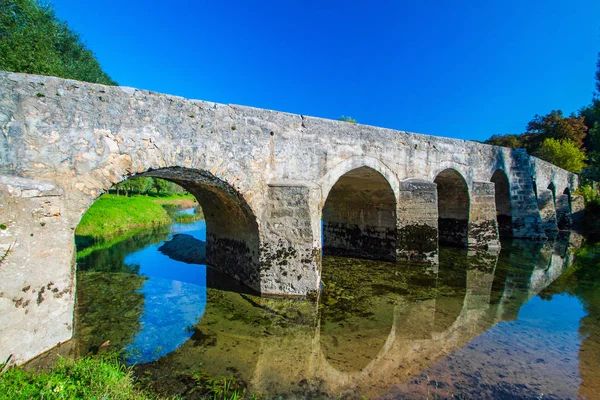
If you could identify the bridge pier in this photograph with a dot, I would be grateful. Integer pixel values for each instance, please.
(547, 210)
(417, 220)
(290, 261)
(37, 293)
(483, 226)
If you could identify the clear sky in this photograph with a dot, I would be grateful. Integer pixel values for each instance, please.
(464, 69)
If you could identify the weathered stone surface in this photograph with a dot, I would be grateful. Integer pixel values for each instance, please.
(263, 179)
(417, 220)
(483, 226)
(547, 210)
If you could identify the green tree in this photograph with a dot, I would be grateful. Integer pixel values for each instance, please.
(555, 126)
(140, 184)
(33, 40)
(163, 186)
(510, 140)
(563, 153)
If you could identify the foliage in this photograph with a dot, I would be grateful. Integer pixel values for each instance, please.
(347, 119)
(588, 192)
(226, 388)
(563, 153)
(164, 186)
(86, 378)
(510, 140)
(189, 218)
(142, 184)
(555, 126)
(33, 40)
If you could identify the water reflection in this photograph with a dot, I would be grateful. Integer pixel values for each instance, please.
(376, 324)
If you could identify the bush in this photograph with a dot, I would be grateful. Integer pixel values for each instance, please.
(563, 153)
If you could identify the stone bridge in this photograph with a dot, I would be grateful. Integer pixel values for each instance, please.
(276, 190)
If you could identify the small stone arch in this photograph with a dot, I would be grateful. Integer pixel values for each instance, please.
(334, 174)
(359, 216)
(552, 188)
(459, 169)
(564, 210)
(453, 208)
(502, 197)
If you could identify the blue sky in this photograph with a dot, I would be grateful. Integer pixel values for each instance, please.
(463, 69)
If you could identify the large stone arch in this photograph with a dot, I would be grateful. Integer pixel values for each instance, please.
(232, 232)
(359, 215)
(453, 208)
(503, 202)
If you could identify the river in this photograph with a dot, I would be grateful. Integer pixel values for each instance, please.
(521, 324)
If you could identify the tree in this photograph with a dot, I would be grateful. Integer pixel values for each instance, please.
(563, 153)
(509, 140)
(162, 185)
(33, 40)
(555, 126)
(140, 184)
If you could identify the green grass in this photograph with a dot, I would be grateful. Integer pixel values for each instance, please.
(112, 215)
(87, 378)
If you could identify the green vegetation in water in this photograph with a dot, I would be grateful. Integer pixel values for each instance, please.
(87, 378)
(108, 310)
(189, 218)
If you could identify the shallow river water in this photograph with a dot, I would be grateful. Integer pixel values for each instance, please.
(521, 324)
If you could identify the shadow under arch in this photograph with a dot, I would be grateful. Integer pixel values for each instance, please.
(359, 216)
(232, 235)
(502, 199)
(453, 208)
(564, 210)
(552, 188)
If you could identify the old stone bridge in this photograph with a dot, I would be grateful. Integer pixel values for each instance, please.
(276, 189)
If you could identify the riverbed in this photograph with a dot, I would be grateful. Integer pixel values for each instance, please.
(521, 324)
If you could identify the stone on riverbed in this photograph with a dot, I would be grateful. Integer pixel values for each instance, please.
(185, 248)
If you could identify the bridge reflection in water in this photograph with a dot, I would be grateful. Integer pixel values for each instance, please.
(375, 325)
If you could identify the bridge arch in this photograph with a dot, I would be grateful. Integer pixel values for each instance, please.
(453, 208)
(563, 210)
(502, 197)
(333, 175)
(232, 233)
(359, 215)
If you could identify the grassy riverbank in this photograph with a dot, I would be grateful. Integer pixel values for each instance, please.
(86, 378)
(112, 218)
(104, 377)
